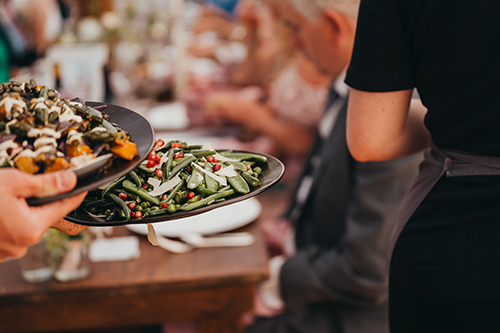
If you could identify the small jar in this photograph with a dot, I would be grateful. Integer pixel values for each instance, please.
(69, 255)
(36, 264)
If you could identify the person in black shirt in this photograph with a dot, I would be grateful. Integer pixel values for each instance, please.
(444, 270)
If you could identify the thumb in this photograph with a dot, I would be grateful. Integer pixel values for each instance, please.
(45, 185)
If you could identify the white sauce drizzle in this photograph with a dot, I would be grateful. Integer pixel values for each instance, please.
(35, 133)
(8, 103)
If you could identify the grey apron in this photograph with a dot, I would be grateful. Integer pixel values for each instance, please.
(436, 163)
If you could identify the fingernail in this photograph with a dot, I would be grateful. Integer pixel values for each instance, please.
(65, 180)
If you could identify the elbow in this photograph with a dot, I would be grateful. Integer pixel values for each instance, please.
(363, 152)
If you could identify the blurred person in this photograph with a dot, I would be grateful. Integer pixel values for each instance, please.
(22, 225)
(291, 113)
(444, 274)
(332, 276)
(43, 20)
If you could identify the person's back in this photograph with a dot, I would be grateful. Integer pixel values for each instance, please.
(449, 51)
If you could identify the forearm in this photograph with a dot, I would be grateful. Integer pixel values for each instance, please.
(292, 138)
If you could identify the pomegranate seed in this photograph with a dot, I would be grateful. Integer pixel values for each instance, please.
(210, 159)
(188, 168)
(145, 186)
(178, 155)
(151, 156)
(159, 143)
(190, 195)
(157, 159)
(132, 214)
(216, 167)
(248, 167)
(150, 164)
(163, 206)
(123, 196)
(131, 205)
(176, 145)
(215, 161)
(158, 173)
(164, 197)
(138, 214)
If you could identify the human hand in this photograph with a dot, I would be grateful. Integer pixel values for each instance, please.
(22, 225)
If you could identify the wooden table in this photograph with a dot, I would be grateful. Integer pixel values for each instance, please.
(212, 286)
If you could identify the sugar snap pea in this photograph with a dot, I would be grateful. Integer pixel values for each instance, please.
(211, 184)
(140, 192)
(254, 182)
(245, 156)
(202, 153)
(195, 179)
(239, 184)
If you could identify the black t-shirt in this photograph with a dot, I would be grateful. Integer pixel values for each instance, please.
(450, 51)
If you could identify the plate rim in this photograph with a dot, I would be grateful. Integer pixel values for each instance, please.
(35, 201)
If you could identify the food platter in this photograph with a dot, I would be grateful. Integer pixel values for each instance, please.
(272, 172)
(90, 175)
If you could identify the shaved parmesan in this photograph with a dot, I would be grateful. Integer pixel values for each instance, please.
(218, 156)
(155, 182)
(227, 172)
(222, 180)
(165, 186)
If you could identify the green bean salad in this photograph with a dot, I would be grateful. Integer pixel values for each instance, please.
(176, 177)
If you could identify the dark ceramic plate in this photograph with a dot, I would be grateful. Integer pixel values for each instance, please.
(271, 174)
(90, 177)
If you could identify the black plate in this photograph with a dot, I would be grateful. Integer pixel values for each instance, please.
(142, 135)
(271, 174)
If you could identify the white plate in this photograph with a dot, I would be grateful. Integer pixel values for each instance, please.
(215, 221)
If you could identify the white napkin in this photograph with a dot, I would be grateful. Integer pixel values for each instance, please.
(115, 249)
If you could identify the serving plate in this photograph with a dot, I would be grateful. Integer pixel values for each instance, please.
(272, 172)
(89, 175)
(219, 220)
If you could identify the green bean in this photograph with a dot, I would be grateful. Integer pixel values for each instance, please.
(135, 178)
(207, 201)
(140, 192)
(168, 164)
(111, 216)
(181, 166)
(123, 206)
(156, 212)
(94, 203)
